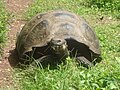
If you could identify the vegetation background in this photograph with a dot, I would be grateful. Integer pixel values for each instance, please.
(104, 17)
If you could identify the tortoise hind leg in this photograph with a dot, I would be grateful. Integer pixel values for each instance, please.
(84, 62)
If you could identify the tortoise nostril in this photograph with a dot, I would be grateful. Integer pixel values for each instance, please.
(58, 41)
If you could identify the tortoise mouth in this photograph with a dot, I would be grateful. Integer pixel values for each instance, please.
(58, 45)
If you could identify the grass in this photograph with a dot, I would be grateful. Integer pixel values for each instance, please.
(103, 76)
(103, 4)
(3, 24)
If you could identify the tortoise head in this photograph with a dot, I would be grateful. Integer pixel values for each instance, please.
(59, 46)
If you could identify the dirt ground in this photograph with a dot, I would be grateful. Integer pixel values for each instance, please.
(15, 7)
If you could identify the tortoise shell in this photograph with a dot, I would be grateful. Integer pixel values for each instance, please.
(39, 31)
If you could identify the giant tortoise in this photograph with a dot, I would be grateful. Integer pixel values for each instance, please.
(58, 34)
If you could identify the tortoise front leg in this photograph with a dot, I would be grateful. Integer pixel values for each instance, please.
(84, 62)
(46, 61)
(43, 59)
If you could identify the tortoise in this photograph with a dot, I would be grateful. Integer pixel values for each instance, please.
(58, 34)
